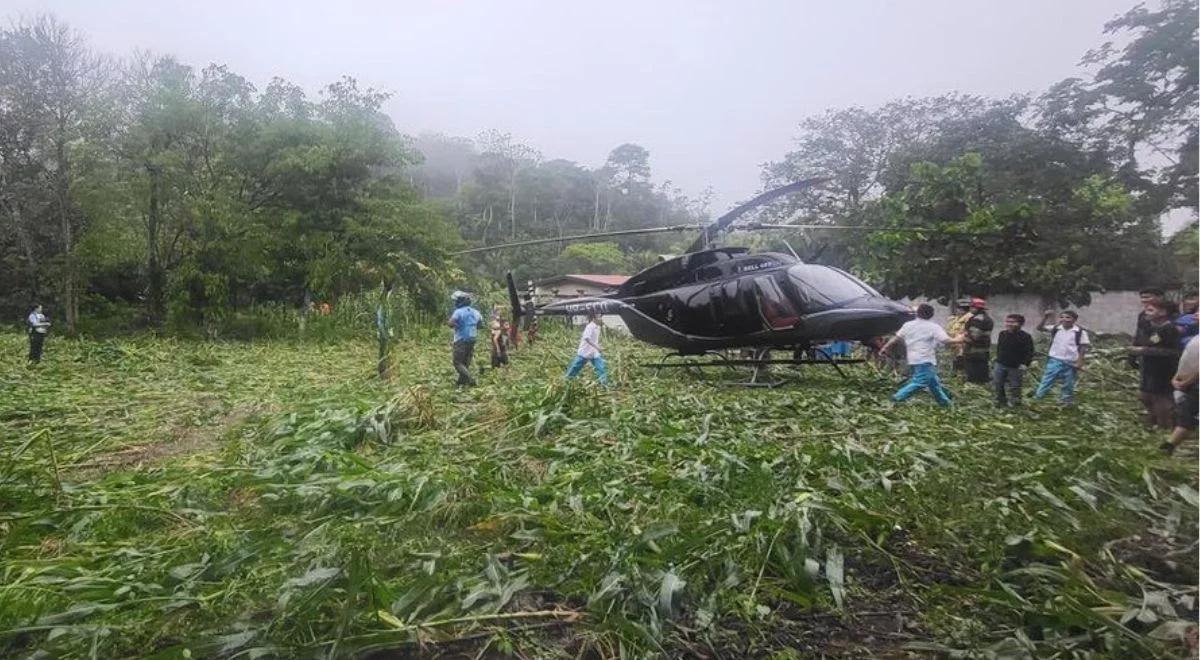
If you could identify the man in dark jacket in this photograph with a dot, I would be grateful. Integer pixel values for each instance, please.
(979, 342)
(1014, 352)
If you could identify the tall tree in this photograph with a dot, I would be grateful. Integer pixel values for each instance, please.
(52, 87)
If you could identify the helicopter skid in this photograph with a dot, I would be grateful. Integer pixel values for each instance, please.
(760, 364)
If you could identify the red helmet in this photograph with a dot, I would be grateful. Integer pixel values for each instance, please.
(978, 303)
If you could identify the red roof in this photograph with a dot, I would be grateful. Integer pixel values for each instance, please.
(595, 280)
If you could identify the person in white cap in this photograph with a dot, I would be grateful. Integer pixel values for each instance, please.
(465, 321)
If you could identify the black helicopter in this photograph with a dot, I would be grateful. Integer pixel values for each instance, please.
(715, 298)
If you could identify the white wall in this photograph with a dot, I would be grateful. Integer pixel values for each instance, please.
(1110, 313)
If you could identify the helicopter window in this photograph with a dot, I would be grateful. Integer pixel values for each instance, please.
(777, 311)
(708, 273)
(825, 286)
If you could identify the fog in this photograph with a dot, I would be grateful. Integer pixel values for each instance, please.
(713, 90)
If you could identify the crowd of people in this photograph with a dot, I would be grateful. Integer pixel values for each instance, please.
(1163, 350)
(465, 322)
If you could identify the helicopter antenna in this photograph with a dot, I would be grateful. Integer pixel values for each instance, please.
(792, 250)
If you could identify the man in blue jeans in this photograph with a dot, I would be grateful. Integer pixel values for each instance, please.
(1068, 344)
(921, 338)
(589, 351)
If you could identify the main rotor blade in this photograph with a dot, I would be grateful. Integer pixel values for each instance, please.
(712, 231)
(759, 225)
(578, 237)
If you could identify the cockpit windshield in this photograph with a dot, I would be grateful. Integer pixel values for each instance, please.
(823, 286)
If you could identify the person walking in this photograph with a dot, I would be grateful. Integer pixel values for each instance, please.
(38, 327)
(921, 337)
(589, 351)
(1068, 344)
(979, 343)
(1014, 353)
(465, 321)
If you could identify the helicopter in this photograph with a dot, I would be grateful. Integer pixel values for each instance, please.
(713, 298)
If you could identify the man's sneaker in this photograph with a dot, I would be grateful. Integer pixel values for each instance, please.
(1167, 448)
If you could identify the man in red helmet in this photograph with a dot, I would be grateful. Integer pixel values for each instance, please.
(979, 343)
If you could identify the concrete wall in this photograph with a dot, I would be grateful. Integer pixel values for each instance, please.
(1110, 313)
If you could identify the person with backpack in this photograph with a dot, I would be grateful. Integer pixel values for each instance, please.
(1068, 344)
(38, 327)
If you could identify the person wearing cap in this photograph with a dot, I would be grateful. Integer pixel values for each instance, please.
(979, 343)
(959, 315)
(465, 321)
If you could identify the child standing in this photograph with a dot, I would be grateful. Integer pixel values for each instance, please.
(589, 351)
(1158, 350)
(1068, 344)
(499, 342)
(921, 337)
(1014, 352)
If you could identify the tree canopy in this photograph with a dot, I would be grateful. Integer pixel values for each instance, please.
(1026, 193)
(181, 194)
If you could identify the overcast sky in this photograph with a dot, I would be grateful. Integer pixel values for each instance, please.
(713, 90)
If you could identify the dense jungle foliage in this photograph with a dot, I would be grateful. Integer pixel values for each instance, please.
(148, 192)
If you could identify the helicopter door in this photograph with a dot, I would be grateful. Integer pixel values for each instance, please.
(734, 307)
(777, 312)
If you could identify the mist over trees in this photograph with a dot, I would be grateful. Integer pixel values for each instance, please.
(169, 194)
(1034, 192)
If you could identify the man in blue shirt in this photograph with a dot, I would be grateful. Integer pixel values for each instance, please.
(465, 321)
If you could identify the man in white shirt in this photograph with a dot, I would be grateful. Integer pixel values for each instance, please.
(38, 327)
(589, 351)
(922, 337)
(1068, 344)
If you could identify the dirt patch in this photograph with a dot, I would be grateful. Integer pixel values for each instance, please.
(184, 441)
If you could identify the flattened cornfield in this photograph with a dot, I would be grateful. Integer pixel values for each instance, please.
(168, 499)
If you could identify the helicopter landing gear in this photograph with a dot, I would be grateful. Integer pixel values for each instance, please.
(758, 359)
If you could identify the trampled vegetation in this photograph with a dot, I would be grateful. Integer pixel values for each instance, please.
(275, 500)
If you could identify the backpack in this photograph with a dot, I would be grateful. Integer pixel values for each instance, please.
(1078, 334)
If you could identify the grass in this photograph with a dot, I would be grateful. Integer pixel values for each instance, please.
(172, 499)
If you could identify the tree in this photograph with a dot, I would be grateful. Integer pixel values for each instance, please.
(51, 89)
(592, 258)
(1139, 107)
(508, 158)
(986, 237)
